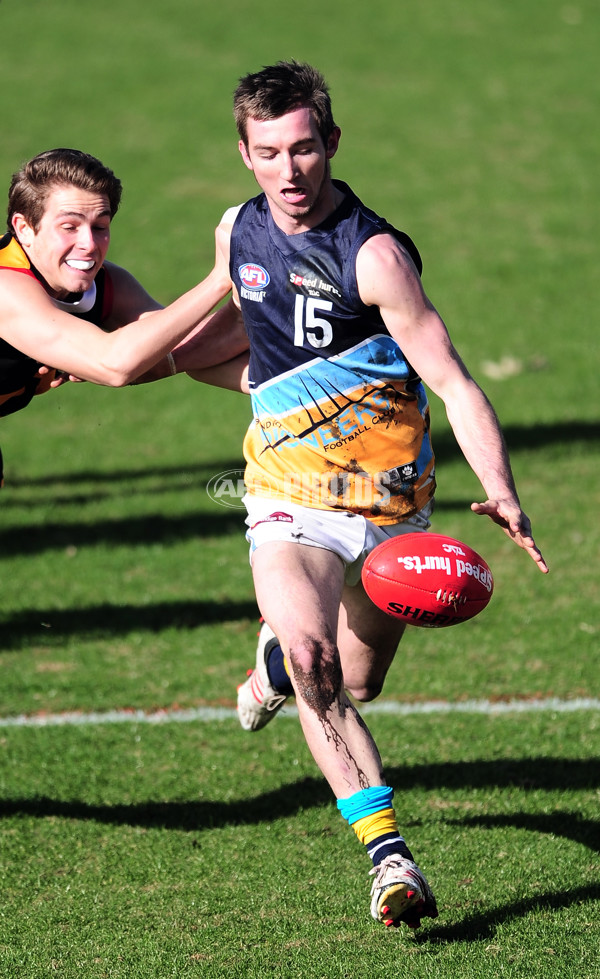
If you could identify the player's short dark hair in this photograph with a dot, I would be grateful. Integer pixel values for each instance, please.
(280, 88)
(32, 184)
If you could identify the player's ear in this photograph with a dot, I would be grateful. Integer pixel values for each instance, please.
(22, 229)
(245, 156)
(333, 142)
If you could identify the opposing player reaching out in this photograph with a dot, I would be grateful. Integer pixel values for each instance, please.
(64, 308)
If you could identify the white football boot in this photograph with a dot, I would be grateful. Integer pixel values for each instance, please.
(257, 700)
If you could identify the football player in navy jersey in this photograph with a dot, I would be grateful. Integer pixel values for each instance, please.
(338, 454)
(64, 310)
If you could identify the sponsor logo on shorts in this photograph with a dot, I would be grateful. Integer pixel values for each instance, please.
(278, 517)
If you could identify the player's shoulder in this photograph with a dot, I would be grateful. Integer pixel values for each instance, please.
(129, 300)
(254, 210)
(20, 288)
(387, 249)
(121, 279)
(117, 272)
(385, 271)
(231, 214)
(25, 306)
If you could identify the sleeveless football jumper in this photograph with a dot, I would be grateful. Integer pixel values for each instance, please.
(341, 419)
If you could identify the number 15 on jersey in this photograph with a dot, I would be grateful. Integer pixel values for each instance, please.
(310, 327)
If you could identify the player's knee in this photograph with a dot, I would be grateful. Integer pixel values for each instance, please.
(307, 655)
(315, 664)
(367, 692)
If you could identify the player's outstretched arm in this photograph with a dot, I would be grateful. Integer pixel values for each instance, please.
(477, 431)
(232, 374)
(215, 351)
(219, 337)
(30, 322)
(388, 278)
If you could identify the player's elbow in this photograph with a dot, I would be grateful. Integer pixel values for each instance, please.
(116, 375)
(122, 380)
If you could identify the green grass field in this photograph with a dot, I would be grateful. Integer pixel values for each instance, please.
(187, 849)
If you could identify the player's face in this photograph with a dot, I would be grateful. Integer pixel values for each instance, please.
(291, 165)
(71, 242)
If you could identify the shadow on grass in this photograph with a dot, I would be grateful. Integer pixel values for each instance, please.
(107, 621)
(483, 925)
(151, 529)
(194, 817)
(519, 437)
(525, 438)
(202, 473)
(310, 793)
(158, 529)
(569, 825)
(60, 488)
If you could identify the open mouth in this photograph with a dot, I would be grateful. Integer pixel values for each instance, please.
(80, 266)
(294, 195)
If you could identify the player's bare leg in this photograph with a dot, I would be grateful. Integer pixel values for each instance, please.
(367, 641)
(299, 590)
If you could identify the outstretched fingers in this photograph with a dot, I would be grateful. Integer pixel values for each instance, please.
(515, 524)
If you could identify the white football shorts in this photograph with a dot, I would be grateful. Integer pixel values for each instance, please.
(348, 535)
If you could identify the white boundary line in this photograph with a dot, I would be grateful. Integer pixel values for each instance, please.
(208, 714)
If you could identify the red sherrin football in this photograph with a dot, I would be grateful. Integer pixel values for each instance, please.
(427, 579)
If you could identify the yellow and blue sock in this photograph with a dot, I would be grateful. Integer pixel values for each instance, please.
(372, 817)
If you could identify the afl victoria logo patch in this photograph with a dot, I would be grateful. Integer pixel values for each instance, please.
(253, 276)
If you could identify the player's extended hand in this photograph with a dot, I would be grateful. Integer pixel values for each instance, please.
(515, 524)
(59, 377)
